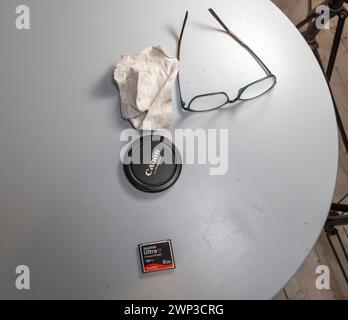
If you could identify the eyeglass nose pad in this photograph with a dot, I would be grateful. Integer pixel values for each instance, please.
(240, 93)
(237, 98)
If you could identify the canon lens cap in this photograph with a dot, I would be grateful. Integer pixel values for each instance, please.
(152, 163)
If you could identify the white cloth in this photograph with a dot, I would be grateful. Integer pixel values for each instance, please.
(145, 83)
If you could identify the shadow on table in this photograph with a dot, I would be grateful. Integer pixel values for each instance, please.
(107, 87)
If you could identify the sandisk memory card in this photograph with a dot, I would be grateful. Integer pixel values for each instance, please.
(156, 256)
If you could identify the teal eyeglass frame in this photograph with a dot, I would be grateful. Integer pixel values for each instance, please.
(269, 74)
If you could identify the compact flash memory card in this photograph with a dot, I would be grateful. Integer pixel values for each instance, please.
(156, 256)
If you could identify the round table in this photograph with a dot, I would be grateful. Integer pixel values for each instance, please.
(67, 209)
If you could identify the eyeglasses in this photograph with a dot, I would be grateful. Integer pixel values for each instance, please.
(216, 100)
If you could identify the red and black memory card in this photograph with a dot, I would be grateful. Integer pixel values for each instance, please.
(156, 256)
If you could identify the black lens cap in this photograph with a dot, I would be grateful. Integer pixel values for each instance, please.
(152, 163)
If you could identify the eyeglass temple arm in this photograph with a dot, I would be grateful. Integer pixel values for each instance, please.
(252, 53)
(178, 55)
(181, 35)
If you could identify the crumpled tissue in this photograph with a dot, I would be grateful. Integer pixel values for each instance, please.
(145, 83)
